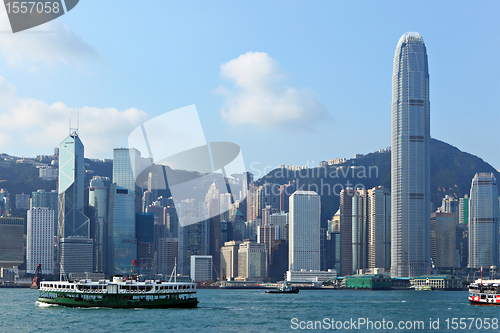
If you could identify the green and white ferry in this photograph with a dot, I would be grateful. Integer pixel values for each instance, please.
(118, 293)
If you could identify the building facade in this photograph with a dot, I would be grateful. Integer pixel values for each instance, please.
(98, 201)
(443, 239)
(22, 201)
(144, 230)
(229, 260)
(76, 255)
(48, 200)
(194, 236)
(252, 261)
(126, 165)
(72, 221)
(12, 240)
(359, 230)
(346, 196)
(304, 232)
(280, 221)
(122, 242)
(201, 268)
(266, 234)
(463, 210)
(167, 250)
(40, 240)
(410, 159)
(379, 228)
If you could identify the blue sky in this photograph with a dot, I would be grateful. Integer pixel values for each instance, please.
(290, 82)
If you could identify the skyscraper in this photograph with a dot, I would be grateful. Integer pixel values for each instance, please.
(144, 223)
(359, 230)
(72, 220)
(40, 240)
(229, 260)
(410, 159)
(122, 241)
(194, 238)
(304, 248)
(126, 167)
(463, 210)
(443, 239)
(379, 227)
(98, 201)
(73, 225)
(346, 231)
(483, 221)
(252, 262)
(42, 199)
(12, 241)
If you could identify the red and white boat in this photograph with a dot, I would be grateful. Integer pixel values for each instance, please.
(484, 292)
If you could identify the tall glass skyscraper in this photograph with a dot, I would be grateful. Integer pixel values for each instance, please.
(126, 167)
(72, 220)
(410, 159)
(483, 221)
(73, 225)
(98, 202)
(122, 242)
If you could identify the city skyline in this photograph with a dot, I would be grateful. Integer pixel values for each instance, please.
(312, 71)
(245, 81)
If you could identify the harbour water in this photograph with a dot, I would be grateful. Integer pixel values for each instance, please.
(255, 311)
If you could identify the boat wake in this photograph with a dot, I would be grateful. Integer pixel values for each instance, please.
(44, 305)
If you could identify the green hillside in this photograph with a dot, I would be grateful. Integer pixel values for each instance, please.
(451, 173)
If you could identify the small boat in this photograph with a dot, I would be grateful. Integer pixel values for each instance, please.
(421, 288)
(284, 288)
(484, 292)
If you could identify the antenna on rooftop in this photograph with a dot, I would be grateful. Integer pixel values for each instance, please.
(73, 131)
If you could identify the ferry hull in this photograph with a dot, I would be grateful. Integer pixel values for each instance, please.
(482, 303)
(116, 302)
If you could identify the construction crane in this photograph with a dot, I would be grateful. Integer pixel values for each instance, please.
(433, 267)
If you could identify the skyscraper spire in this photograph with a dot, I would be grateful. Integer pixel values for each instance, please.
(410, 159)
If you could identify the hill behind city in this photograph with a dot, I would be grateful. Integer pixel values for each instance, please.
(452, 171)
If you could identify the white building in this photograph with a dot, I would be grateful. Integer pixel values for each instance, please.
(229, 260)
(48, 173)
(201, 268)
(304, 232)
(40, 240)
(311, 275)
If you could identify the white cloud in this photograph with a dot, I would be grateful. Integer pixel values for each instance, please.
(259, 96)
(51, 43)
(31, 126)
